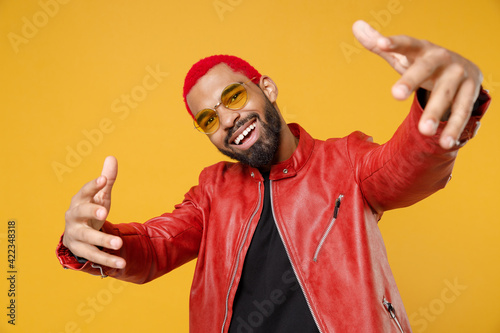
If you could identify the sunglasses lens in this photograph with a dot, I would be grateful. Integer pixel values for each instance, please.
(234, 97)
(207, 121)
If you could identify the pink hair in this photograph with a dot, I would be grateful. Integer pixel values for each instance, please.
(201, 68)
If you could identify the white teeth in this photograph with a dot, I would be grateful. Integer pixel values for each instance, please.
(244, 134)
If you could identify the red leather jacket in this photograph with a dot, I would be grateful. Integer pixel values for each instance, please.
(327, 199)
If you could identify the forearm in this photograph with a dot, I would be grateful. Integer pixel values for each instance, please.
(155, 247)
(411, 166)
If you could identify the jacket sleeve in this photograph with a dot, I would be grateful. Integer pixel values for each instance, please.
(410, 166)
(153, 248)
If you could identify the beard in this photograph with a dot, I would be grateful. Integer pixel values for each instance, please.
(263, 150)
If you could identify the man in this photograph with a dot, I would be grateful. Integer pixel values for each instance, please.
(287, 239)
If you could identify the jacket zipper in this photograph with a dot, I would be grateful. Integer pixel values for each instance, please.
(329, 228)
(392, 313)
(233, 277)
(288, 255)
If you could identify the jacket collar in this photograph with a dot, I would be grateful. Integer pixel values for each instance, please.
(291, 166)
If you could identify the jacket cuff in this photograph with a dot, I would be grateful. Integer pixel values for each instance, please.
(69, 261)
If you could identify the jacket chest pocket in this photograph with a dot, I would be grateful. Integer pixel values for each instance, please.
(328, 228)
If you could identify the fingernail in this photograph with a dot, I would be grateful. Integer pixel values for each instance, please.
(100, 180)
(449, 142)
(115, 243)
(101, 213)
(119, 263)
(430, 126)
(400, 91)
(384, 42)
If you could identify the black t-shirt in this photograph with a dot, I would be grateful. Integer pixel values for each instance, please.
(269, 297)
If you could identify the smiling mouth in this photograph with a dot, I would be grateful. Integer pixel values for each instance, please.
(241, 138)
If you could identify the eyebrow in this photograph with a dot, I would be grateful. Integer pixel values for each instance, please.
(228, 91)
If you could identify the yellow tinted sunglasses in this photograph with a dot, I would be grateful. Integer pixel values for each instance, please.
(233, 97)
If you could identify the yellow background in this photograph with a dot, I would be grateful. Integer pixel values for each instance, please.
(67, 74)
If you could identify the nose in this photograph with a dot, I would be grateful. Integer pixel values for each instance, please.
(227, 117)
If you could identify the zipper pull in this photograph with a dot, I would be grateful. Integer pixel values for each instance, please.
(392, 313)
(389, 308)
(337, 206)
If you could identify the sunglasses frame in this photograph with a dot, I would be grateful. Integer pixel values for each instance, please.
(197, 126)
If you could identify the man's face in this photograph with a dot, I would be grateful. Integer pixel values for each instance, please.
(258, 121)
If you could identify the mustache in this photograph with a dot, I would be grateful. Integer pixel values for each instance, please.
(237, 126)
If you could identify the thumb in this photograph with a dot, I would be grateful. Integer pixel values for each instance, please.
(367, 36)
(110, 171)
(381, 45)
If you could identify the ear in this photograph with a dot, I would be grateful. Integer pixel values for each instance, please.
(269, 88)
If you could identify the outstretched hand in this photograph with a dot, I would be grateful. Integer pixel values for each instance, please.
(454, 81)
(86, 215)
